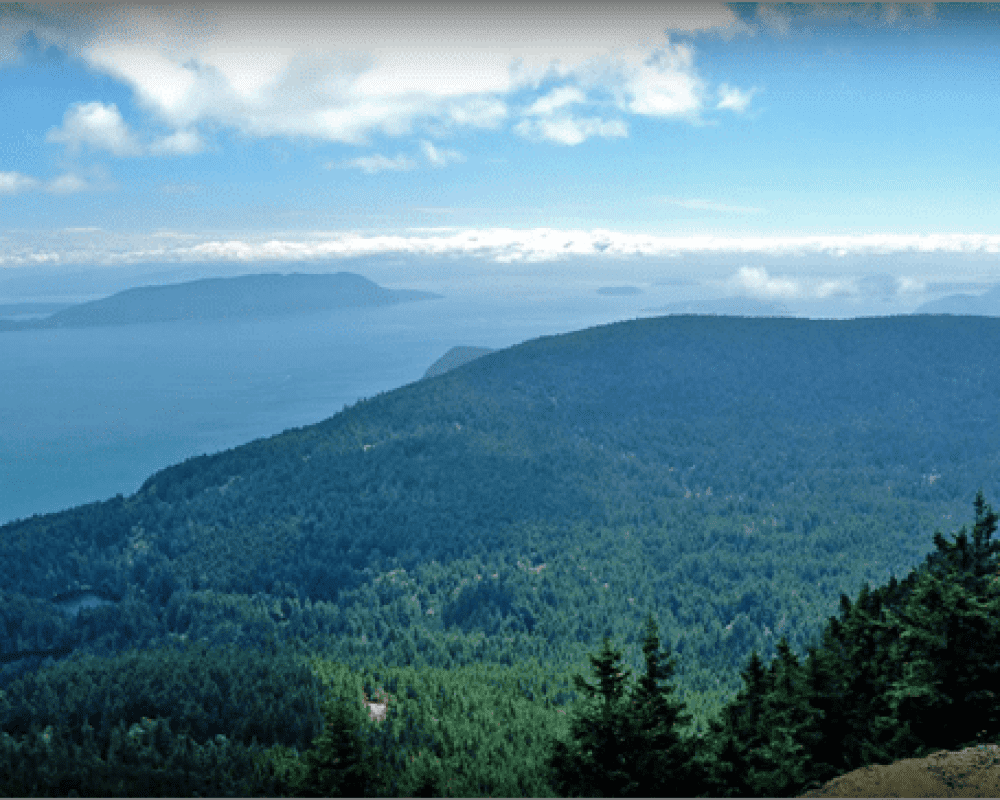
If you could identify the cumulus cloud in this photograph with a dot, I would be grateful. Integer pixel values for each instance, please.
(341, 73)
(666, 84)
(67, 184)
(379, 163)
(98, 126)
(569, 131)
(755, 281)
(477, 112)
(556, 99)
(182, 143)
(16, 182)
(734, 99)
(440, 158)
(549, 120)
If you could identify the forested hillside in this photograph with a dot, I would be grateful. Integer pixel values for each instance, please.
(731, 476)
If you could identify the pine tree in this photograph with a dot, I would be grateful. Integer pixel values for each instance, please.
(858, 653)
(791, 724)
(949, 629)
(594, 763)
(660, 760)
(338, 765)
(741, 732)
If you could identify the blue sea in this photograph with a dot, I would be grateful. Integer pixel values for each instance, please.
(87, 414)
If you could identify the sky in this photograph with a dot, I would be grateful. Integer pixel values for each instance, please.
(806, 151)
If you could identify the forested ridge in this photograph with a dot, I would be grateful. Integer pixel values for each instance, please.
(737, 479)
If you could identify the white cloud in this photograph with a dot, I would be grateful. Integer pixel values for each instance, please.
(734, 99)
(756, 282)
(835, 288)
(67, 184)
(379, 163)
(16, 182)
(552, 124)
(556, 99)
(343, 72)
(666, 85)
(98, 126)
(547, 245)
(101, 127)
(910, 285)
(569, 131)
(440, 158)
(184, 143)
(479, 112)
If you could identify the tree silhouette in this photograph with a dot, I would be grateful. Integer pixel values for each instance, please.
(338, 765)
(949, 627)
(595, 762)
(660, 761)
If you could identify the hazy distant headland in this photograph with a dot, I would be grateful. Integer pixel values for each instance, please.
(242, 297)
(984, 305)
(619, 290)
(724, 306)
(14, 311)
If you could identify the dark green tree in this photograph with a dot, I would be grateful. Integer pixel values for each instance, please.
(595, 762)
(783, 765)
(339, 765)
(740, 732)
(660, 760)
(948, 630)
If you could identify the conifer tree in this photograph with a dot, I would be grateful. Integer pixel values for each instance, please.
(783, 765)
(338, 765)
(949, 628)
(594, 763)
(660, 760)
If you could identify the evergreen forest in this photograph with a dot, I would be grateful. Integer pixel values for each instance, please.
(674, 556)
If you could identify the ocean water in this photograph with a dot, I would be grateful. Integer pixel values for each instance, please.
(90, 413)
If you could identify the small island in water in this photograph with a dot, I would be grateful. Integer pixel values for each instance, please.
(246, 296)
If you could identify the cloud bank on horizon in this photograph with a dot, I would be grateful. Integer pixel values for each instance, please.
(512, 133)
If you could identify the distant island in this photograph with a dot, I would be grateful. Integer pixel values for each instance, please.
(246, 296)
(29, 310)
(619, 290)
(984, 305)
(456, 357)
(724, 307)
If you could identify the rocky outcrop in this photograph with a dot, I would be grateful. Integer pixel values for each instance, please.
(972, 772)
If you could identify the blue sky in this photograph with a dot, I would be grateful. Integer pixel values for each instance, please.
(757, 134)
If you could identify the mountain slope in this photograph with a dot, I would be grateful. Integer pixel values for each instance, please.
(732, 475)
(226, 298)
